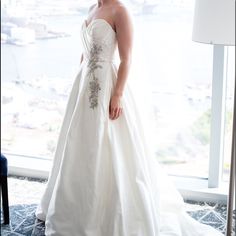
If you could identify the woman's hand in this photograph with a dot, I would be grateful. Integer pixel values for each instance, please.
(115, 107)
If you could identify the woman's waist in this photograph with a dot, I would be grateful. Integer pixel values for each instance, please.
(98, 59)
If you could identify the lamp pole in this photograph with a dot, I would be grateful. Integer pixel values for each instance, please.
(231, 195)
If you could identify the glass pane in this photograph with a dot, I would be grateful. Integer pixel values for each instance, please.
(230, 74)
(180, 72)
(40, 58)
(41, 48)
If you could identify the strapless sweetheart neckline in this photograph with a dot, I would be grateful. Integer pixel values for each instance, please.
(96, 20)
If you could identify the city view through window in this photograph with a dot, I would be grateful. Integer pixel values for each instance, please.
(41, 50)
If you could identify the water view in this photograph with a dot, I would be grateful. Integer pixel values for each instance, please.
(41, 52)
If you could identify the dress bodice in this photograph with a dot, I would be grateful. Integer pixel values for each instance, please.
(99, 40)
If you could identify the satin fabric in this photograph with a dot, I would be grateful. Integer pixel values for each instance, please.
(104, 180)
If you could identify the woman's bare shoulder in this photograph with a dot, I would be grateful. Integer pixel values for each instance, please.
(121, 10)
(122, 13)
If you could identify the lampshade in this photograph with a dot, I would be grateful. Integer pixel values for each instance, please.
(214, 22)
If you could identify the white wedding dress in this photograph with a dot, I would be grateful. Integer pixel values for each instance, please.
(104, 180)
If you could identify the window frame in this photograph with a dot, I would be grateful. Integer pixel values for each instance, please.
(218, 107)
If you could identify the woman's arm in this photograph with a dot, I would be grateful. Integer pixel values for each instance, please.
(124, 32)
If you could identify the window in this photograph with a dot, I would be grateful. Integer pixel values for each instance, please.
(180, 72)
(40, 59)
(41, 52)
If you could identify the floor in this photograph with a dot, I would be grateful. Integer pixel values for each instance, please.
(25, 193)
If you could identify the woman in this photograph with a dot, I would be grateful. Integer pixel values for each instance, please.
(104, 181)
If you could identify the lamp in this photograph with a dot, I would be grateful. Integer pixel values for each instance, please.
(214, 23)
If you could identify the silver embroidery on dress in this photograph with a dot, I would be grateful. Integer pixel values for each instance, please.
(93, 65)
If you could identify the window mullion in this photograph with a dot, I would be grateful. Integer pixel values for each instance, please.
(217, 117)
